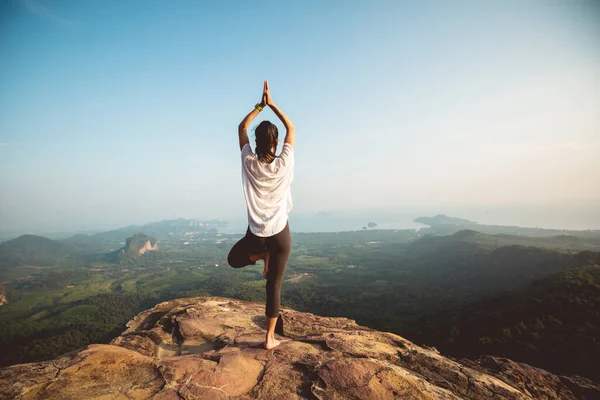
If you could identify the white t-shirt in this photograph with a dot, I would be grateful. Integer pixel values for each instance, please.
(267, 190)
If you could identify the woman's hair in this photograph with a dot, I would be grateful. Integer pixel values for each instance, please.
(266, 136)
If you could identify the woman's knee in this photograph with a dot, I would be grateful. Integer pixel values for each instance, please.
(236, 260)
(230, 261)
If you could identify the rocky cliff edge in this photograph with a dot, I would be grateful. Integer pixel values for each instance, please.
(211, 348)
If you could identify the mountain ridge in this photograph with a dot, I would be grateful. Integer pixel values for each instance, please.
(34, 250)
(445, 225)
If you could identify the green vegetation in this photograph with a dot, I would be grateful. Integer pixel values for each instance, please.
(467, 293)
(135, 246)
(33, 250)
(552, 323)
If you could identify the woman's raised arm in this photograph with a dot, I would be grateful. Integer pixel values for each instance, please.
(290, 135)
(243, 126)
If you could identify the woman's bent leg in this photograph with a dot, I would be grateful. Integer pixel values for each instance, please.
(239, 255)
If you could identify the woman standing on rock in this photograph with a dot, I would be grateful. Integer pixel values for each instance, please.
(266, 180)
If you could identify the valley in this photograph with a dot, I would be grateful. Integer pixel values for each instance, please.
(434, 289)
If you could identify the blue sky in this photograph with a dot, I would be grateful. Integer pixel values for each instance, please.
(116, 112)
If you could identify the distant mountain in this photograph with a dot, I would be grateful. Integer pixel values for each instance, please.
(137, 245)
(441, 219)
(161, 230)
(34, 250)
(571, 243)
(168, 228)
(444, 225)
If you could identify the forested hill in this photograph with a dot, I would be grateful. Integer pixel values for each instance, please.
(489, 241)
(444, 225)
(137, 245)
(553, 323)
(33, 250)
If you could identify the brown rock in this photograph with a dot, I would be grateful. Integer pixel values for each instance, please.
(211, 348)
(100, 371)
(581, 387)
(3, 299)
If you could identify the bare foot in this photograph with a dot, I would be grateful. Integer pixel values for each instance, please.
(271, 344)
(266, 270)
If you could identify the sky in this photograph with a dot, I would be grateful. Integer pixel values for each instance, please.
(121, 112)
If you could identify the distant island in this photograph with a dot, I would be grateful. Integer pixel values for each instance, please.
(442, 219)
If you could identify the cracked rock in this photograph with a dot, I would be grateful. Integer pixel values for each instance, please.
(211, 348)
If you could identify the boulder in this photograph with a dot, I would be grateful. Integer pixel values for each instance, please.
(212, 348)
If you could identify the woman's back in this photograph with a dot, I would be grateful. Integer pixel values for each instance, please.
(267, 190)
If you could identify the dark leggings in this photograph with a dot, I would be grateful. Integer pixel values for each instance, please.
(279, 246)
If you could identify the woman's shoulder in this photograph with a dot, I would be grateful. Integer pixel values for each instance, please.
(247, 150)
(247, 154)
(287, 150)
(285, 160)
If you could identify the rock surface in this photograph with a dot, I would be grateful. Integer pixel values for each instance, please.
(3, 299)
(211, 348)
(137, 245)
(148, 247)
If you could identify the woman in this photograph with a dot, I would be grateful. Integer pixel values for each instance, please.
(266, 180)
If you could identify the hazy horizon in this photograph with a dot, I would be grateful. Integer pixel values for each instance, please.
(571, 218)
(119, 113)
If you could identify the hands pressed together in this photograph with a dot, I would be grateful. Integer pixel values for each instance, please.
(266, 97)
(266, 101)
